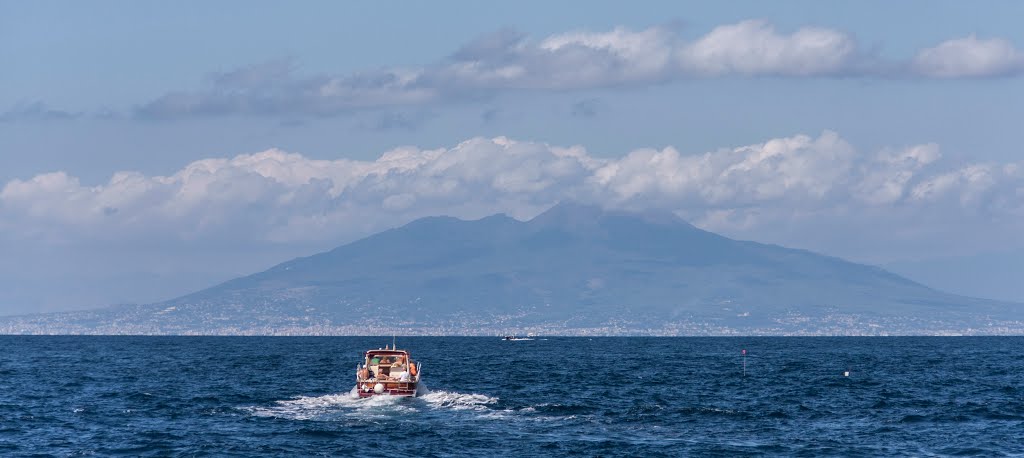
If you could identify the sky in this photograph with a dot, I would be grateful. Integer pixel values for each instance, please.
(150, 149)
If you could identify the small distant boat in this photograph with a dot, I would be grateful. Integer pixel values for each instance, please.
(513, 337)
(388, 372)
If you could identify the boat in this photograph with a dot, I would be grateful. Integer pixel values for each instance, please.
(513, 337)
(388, 372)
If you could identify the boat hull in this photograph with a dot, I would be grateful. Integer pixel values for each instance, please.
(400, 389)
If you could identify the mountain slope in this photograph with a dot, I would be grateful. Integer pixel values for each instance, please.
(572, 267)
(575, 263)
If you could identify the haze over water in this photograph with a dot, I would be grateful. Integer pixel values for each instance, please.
(150, 396)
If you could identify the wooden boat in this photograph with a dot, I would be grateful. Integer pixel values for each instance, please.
(388, 372)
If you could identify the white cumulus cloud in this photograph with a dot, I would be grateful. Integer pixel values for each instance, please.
(749, 191)
(755, 48)
(970, 57)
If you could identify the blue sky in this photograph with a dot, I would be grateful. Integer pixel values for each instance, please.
(165, 147)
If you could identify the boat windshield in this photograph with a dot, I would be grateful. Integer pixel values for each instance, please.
(386, 358)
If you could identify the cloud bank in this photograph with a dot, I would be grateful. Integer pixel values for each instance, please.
(509, 61)
(753, 191)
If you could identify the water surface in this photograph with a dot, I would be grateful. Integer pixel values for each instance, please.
(246, 396)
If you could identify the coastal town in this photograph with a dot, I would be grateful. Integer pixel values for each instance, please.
(134, 320)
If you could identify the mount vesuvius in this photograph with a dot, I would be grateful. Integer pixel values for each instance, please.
(574, 267)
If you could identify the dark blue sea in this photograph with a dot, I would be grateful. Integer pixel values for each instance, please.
(283, 396)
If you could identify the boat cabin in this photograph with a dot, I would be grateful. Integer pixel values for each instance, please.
(384, 364)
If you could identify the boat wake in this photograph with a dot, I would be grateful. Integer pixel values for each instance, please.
(341, 406)
(328, 407)
(458, 401)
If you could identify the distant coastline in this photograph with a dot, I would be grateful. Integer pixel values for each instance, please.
(40, 325)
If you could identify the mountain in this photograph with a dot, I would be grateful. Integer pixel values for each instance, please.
(574, 268)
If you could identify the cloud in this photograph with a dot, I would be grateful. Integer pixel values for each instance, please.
(400, 121)
(970, 57)
(586, 108)
(885, 180)
(752, 191)
(621, 56)
(272, 88)
(490, 115)
(35, 111)
(509, 61)
(755, 48)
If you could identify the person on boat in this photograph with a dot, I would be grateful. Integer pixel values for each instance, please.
(399, 363)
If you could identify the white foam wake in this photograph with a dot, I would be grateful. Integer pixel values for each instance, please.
(342, 405)
(330, 406)
(457, 401)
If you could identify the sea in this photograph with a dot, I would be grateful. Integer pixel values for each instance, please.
(550, 396)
